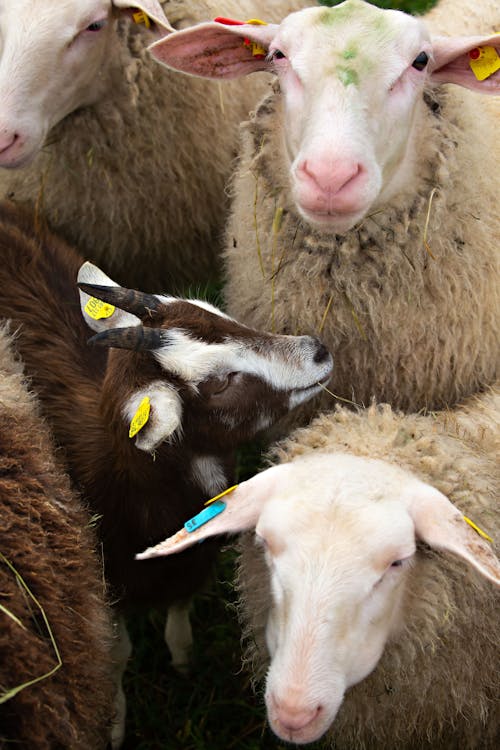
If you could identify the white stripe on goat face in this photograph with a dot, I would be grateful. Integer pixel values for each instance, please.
(284, 362)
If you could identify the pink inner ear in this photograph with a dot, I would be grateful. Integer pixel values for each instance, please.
(452, 62)
(209, 50)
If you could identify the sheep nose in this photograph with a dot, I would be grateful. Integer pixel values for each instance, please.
(329, 177)
(7, 139)
(292, 717)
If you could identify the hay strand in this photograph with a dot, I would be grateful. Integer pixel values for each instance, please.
(278, 217)
(339, 398)
(8, 694)
(325, 314)
(256, 226)
(427, 219)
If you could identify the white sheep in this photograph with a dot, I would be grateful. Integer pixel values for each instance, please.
(55, 623)
(366, 197)
(100, 138)
(376, 634)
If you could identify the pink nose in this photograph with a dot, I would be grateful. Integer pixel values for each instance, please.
(326, 185)
(7, 139)
(293, 717)
(329, 177)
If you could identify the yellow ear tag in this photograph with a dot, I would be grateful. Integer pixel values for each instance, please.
(140, 17)
(257, 50)
(96, 309)
(477, 529)
(484, 61)
(226, 492)
(140, 418)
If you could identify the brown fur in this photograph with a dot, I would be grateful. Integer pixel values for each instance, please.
(140, 498)
(46, 535)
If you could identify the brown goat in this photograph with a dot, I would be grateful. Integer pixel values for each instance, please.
(212, 384)
(46, 539)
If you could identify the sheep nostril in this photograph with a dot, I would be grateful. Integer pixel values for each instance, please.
(321, 355)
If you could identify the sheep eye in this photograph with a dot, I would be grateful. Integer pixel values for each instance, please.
(396, 564)
(96, 26)
(420, 61)
(277, 54)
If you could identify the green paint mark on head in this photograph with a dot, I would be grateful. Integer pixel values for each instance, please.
(347, 76)
(350, 53)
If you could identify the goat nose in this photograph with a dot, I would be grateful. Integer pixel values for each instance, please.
(322, 354)
(7, 139)
(328, 176)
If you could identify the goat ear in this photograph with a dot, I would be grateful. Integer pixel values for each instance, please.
(101, 317)
(472, 62)
(159, 409)
(216, 50)
(152, 10)
(442, 526)
(243, 508)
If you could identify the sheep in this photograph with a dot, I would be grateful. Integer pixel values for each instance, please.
(376, 635)
(98, 137)
(365, 199)
(201, 383)
(55, 685)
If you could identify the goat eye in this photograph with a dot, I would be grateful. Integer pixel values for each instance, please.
(220, 385)
(420, 61)
(214, 385)
(96, 25)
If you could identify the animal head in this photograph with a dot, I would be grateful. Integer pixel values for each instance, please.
(52, 58)
(205, 375)
(351, 79)
(339, 536)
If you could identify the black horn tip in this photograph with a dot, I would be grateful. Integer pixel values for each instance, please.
(129, 300)
(135, 338)
(94, 289)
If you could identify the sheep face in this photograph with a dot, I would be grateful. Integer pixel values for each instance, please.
(351, 79)
(339, 537)
(53, 60)
(208, 378)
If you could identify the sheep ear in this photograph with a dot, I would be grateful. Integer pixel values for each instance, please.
(473, 62)
(243, 507)
(441, 525)
(97, 315)
(151, 8)
(222, 49)
(153, 415)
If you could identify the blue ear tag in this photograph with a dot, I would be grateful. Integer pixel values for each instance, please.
(206, 515)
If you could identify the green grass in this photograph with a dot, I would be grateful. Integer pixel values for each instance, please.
(214, 709)
(409, 6)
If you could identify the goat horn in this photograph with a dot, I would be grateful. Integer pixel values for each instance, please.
(129, 300)
(133, 337)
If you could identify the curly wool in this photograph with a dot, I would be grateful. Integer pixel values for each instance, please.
(137, 180)
(47, 538)
(408, 323)
(437, 684)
